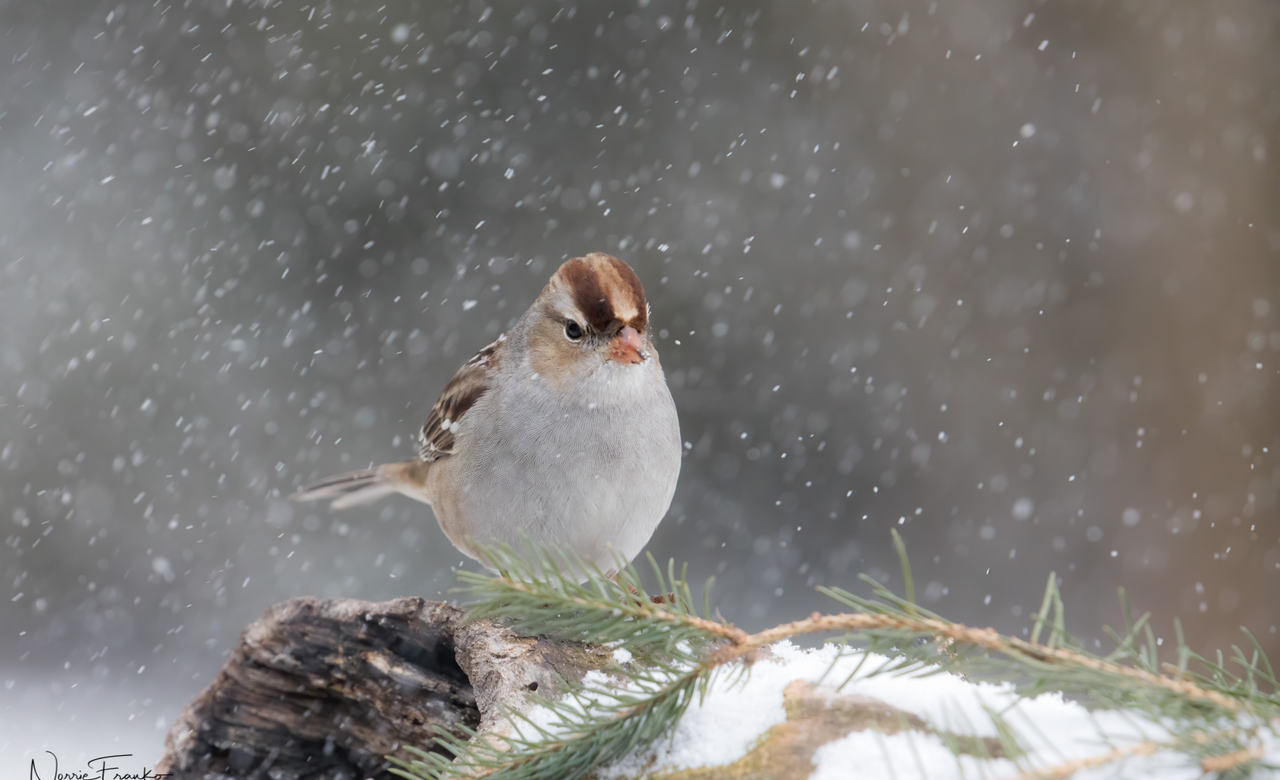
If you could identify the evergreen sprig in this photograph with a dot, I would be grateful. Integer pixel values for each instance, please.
(557, 595)
(594, 726)
(1215, 715)
(578, 602)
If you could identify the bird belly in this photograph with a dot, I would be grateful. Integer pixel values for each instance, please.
(561, 484)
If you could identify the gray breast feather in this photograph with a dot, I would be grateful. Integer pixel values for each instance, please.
(573, 476)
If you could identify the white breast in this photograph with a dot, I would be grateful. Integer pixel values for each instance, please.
(579, 475)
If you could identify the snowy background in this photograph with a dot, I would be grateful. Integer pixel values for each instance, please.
(1002, 274)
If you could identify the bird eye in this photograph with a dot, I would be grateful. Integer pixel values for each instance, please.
(573, 330)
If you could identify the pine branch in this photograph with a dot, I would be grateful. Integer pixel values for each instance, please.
(558, 596)
(1026, 653)
(581, 603)
(582, 742)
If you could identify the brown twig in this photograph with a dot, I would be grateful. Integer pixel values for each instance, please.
(981, 637)
(1220, 763)
(1232, 760)
(1069, 768)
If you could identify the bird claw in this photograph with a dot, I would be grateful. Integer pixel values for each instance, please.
(669, 598)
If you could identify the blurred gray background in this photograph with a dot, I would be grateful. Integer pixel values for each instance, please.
(1000, 274)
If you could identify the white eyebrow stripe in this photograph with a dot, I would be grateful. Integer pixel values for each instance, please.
(622, 301)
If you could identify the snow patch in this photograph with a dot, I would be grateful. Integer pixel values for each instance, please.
(739, 710)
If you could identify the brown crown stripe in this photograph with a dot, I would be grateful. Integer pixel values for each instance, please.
(602, 285)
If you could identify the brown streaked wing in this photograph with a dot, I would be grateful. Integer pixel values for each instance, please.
(462, 392)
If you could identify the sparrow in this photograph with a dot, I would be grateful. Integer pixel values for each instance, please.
(562, 432)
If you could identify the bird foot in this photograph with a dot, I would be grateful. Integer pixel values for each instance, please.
(669, 598)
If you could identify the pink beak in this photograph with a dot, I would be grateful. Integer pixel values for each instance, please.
(627, 347)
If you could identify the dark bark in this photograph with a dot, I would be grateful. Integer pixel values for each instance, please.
(325, 690)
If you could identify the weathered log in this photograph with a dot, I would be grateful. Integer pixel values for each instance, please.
(327, 689)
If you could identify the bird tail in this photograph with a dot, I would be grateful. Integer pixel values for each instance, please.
(362, 487)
